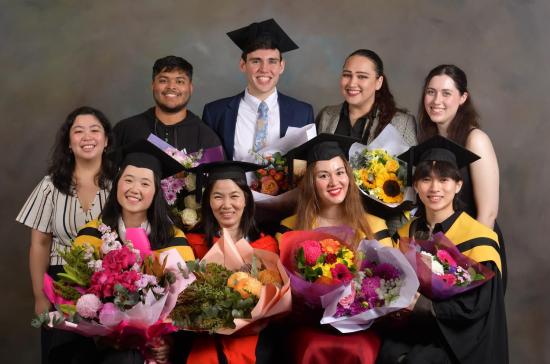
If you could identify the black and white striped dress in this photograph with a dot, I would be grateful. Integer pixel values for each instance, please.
(50, 211)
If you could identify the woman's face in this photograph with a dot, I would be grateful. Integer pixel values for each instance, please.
(437, 193)
(136, 190)
(87, 138)
(227, 201)
(442, 99)
(359, 81)
(331, 181)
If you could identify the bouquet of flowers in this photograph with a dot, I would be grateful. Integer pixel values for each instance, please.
(178, 189)
(235, 286)
(272, 179)
(385, 282)
(442, 270)
(379, 175)
(317, 262)
(115, 290)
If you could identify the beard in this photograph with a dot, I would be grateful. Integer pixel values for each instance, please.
(171, 109)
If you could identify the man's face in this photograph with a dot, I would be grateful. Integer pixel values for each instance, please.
(172, 90)
(262, 68)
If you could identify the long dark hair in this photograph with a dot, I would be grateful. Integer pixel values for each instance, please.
(62, 162)
(158, 214)
(438, 169)
(384, 104)
(247, 225)
(466, 118)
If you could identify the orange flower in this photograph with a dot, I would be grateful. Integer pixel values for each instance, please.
(330, 246)
(279, 176)
(269, 186)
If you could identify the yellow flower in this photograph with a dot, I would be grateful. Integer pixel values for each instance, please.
(348, 255)
(325, 268)
(392, 165)
(390, 188)
(364, 178)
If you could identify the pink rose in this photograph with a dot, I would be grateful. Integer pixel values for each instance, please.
(312, 251)
(449, 279)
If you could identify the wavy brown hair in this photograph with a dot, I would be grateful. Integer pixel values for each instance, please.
(384, 103)
(309, 206)
(466, 118)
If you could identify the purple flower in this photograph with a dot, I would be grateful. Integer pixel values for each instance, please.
(386, 271)
(367, 264)
(369, 286)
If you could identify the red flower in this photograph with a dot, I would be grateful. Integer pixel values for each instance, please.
(330, 258)
(341, 273)
(118, 260)
(312, 251)
(449, 279)
(272, 171)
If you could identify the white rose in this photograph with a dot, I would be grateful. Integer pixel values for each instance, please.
(190, 182)
(437, 267)
(189, 217)
(190, 202)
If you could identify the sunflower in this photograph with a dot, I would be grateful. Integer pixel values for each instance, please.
(390, 190)
(365, 178)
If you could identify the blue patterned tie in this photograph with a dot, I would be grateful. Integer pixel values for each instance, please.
(260, 137)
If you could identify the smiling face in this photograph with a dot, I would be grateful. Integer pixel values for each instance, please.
(135, 192)
(262, 68)
(87, 138)
(227, 202)
(442, 100)
(437, 193)
(360, 81)
(331, 181)
(172, 90)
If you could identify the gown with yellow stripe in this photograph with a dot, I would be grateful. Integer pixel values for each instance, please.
(469, 327)
(314, 344)
(90, 234)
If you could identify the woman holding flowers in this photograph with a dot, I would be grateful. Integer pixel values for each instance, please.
(136, 200)
(469, 327)
(227, 203)
(446, 109)
(329, 198)
(72, 194)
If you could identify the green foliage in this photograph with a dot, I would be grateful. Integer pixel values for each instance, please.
(76, 266)
(44, 320)
(208, 304)
(309, 273)
(124, 299)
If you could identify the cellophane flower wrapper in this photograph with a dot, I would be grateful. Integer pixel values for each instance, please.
(302, 290)
(391, 141)
(431, 284)
(373, 251)
(293, 138)
(272, 300)
(134, 327)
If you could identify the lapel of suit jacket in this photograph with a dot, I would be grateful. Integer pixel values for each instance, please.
(285, 113)
(229, 124)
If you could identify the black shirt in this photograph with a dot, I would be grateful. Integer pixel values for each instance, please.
(356, 131)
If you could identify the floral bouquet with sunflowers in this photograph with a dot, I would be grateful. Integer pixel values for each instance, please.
(384, 282)
(118, 290)
(236, 285)
(379, 175)
(317, 262)
(179, 190)
(443, 271)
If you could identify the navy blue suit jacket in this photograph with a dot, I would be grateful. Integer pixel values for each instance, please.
(221, 116)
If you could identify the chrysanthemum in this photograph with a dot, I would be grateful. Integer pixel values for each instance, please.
(386, 271)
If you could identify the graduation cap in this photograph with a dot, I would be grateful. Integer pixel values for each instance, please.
(267, 29)
(323, 147)
(438, 149)
(209, 172)
(144, 154)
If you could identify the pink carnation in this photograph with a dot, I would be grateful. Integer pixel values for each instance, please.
(449, 279)
(446, 258)
(88, 305)
(312, 251)
(117, 260)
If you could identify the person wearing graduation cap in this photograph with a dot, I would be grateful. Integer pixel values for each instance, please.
(136, 200)
(329, 197)
(227, 203)
(260, 114)
(469, 327)
(169, 119)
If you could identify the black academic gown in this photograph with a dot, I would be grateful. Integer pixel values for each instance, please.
(467, 328)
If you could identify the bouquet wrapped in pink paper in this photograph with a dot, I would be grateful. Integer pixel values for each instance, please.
(179, 189)
(442, 270)
(236, 285)
(116, 290)
(317, 261)
(385, 282)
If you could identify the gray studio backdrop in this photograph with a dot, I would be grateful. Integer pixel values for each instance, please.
(58, 55)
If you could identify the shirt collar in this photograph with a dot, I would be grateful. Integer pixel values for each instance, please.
(443, 226)
(254, 102)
